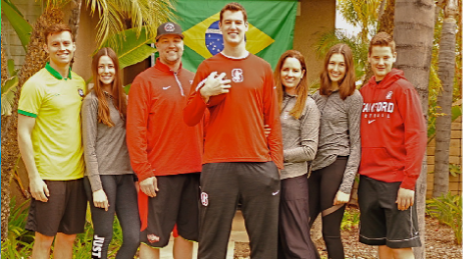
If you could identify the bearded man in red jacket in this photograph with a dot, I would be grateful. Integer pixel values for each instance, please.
(393, 141)
(165, 153)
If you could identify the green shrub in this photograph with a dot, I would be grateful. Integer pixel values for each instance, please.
(18, 243)
(16, 249)
(447, 209)
(350, 219)
(17, 220)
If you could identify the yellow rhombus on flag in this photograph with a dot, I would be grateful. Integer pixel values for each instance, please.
(203, 38)
(256, 40)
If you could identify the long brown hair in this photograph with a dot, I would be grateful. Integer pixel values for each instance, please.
(301, 89)
(348, 84)
(119, 97)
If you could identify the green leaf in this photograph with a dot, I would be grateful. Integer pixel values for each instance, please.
(11, 68)
(456, 111)
(8, 95)
(136, 56)
(9, 84)
(126, 88)
(133, 49)
(14, 7)
(20, 25)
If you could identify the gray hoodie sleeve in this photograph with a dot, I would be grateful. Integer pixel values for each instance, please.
(309, 136)
(89, 133)
(354, 124)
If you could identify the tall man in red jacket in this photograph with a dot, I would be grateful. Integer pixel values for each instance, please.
(393, 141)
(165, 153)
(240, 163)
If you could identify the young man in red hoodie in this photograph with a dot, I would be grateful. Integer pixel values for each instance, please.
(393, 141)
(165, 153)
(240, 163)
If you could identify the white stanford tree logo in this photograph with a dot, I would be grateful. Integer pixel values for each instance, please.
(237, 75)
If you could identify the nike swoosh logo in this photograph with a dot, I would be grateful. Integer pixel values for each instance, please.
(275, 193)
(370, 121)
(165, 88)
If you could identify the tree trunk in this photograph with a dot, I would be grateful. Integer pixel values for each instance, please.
(459, 40)
(5, 177)
(386, 21)
(446, 69)
(75, 16)
(413, 34)
(381, 8)
(35, 60)
(4, 64)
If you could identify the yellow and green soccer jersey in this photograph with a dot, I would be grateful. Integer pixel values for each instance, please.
(55, 103)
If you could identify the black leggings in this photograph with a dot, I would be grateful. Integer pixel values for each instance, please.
(323, 185)
(122, 198)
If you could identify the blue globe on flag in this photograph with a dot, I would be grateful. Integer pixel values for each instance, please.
(213, 39)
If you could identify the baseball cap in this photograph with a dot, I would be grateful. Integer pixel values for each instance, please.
(169, 28)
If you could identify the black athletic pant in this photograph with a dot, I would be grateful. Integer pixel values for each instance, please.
(223, 185)
(294, 236)
(323, 185)
(122, 198)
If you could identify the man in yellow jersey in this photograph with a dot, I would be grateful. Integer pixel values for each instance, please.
(49, 136)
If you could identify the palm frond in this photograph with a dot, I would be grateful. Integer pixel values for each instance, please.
(115, 13)
(8, 95)
(361, 13)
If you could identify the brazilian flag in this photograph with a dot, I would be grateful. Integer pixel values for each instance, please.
(270, 28)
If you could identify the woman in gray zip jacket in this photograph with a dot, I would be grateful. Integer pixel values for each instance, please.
(338, 153)
(109, 181)
(299, 117)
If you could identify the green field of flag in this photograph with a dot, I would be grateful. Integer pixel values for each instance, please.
(270, 32)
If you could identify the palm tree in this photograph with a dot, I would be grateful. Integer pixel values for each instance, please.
(4, 64)
(5, 194)
(386, 16)
(75, 16)
(360, 13)
(413, 33)
(446, 70)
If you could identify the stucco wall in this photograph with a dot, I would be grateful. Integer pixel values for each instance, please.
(315, 17)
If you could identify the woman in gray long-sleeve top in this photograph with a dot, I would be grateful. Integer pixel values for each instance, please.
(109, 181)
(338, 155)
(299, 117)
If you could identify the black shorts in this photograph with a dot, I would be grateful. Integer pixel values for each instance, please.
(176, 202)
(64, 211)
(381, 221)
